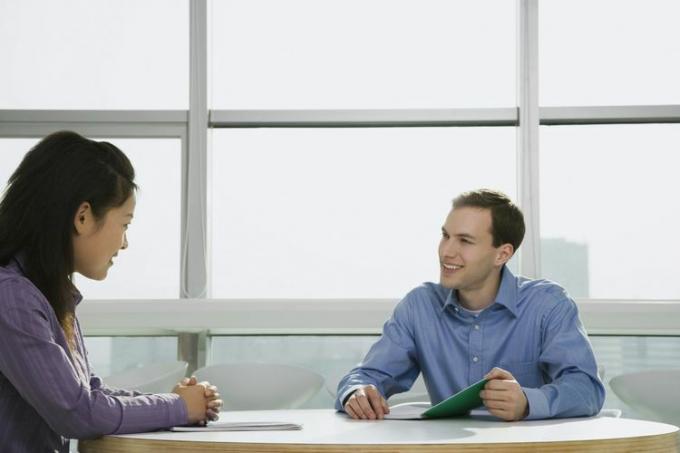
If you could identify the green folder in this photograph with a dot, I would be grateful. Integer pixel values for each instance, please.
(459, 404)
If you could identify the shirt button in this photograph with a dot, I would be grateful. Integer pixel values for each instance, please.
(476, 326)
(475, 359)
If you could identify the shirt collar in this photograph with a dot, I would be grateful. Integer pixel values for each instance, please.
(77, 297)
(507, 291)
(506, 296)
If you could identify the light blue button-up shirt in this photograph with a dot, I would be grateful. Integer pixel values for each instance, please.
(531, 330)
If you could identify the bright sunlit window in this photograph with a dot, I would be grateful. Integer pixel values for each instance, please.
(94, 54)
(609, 209)
(342, 212)
(271, 54)
(609, 52)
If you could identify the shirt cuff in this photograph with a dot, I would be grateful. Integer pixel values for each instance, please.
(178, 413)
(538, 404)
(347, 393)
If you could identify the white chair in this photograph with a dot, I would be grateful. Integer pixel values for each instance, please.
(655, 394)
(259, 386)
(417, 393)
(601, 372)
(613, 413)
(332, 382)
(152, 378)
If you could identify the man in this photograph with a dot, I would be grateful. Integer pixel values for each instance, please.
(481, 321)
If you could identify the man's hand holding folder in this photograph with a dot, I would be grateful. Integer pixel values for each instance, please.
(503, 396)
(499, 392)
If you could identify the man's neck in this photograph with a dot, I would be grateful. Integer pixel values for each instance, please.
(482, 297)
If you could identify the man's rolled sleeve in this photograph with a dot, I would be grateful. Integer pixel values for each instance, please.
(389, 364)
(342, 400)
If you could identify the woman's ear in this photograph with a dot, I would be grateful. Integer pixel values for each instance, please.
(83, 220)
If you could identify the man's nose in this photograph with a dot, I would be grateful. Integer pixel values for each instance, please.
(124, 245)
(450, 248)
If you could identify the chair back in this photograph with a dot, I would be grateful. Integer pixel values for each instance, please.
(260, 386)
(417, 394)
(655, 394)
(158, 377)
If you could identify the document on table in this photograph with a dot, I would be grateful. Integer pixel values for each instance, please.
(459, 404)
(407, 411)
(239, 426)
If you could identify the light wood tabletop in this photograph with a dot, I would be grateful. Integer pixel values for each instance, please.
(327, 431)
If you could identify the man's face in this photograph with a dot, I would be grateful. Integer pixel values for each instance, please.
(467, 257)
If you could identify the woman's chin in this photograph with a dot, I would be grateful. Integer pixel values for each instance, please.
(99, 276)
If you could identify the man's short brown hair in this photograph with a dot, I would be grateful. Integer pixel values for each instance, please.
(507, 221)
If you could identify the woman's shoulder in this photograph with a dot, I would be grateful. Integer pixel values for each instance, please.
(15, 289)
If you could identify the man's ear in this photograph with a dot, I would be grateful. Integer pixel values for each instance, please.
(83, 220)
(505, 252)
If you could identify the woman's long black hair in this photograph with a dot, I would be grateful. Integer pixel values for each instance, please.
(39, 205)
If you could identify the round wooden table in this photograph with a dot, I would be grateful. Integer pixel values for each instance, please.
(328, 431)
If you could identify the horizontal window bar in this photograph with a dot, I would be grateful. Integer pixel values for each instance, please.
(94, 123)
(610, 114)
(364, 118)
(94, 116)
(19, 120)
(103, 130)
(332, 316)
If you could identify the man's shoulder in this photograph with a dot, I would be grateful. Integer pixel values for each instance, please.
(547, 292)
(421, 303)
(427, 293)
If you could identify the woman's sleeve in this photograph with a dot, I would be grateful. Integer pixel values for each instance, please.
(40, 369)
(96, 383)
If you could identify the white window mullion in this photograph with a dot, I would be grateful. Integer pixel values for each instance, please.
(527, 136)
(191, 346)
(194, 268)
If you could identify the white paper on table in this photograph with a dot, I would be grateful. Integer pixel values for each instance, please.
(240, 426)
(407, 411)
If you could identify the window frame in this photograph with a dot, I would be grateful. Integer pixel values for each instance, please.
(194, 315)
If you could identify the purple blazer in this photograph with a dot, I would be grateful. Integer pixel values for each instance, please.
(49, 394)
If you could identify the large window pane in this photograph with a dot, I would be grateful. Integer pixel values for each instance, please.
(94, 54)
(269, 54)
(149, 268)
(609, 52)
(12, 150)
(609, 209)
(342, 212)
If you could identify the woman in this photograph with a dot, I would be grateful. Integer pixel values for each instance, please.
(66, 209)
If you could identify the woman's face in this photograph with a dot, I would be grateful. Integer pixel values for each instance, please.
(97, 241)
